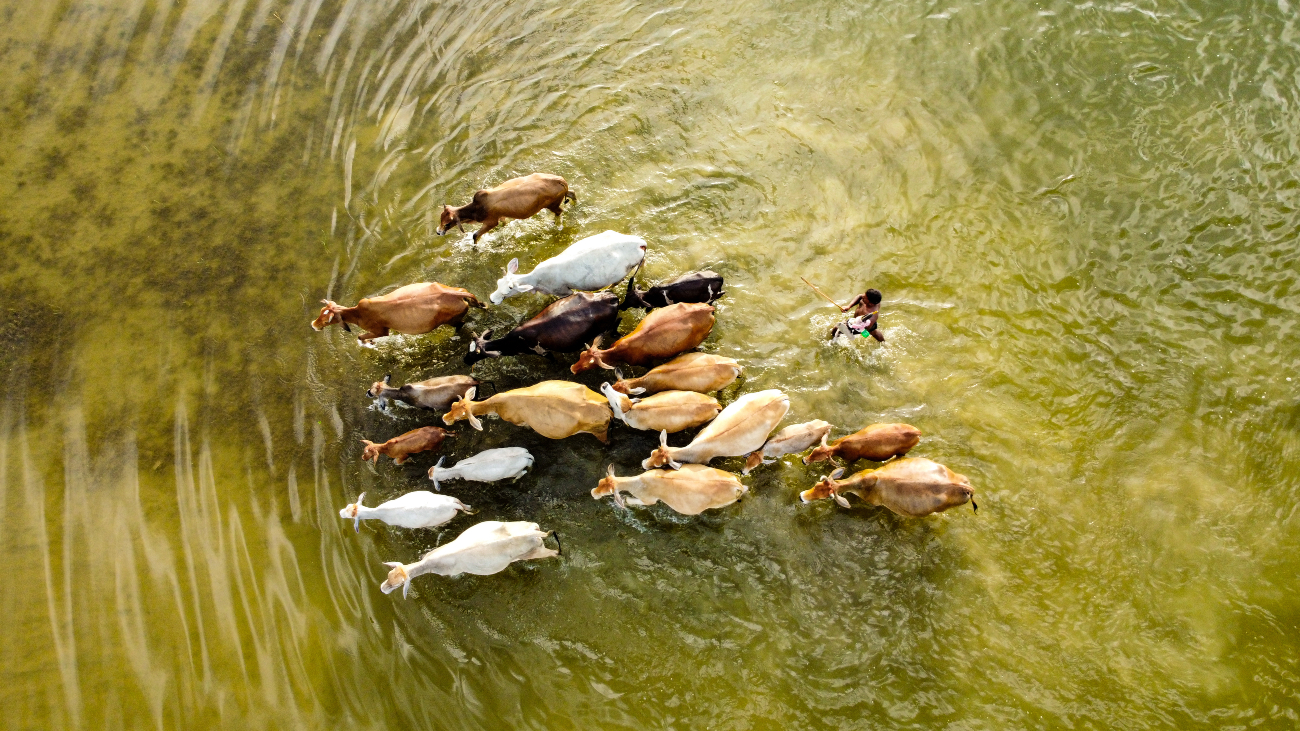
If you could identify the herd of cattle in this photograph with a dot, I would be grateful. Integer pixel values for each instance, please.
(671, 397)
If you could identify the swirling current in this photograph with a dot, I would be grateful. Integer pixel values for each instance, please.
(1083, 217)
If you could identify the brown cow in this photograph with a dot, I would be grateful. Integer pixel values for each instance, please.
(400, 448)
(662, 334)
(516, 198)
(911, 487)
(412, 310)
(877, 442)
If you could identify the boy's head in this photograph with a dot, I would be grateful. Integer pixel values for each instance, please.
(873, 296)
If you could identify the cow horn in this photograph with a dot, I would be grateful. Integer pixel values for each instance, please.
(974, 508)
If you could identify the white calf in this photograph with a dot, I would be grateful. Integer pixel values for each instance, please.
(419, 509)
(488, 466)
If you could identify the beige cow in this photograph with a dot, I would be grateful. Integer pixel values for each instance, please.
(554, 409)
(670, 411)
(700, 372)
(690, 491)
(740, 429)
(790, 440)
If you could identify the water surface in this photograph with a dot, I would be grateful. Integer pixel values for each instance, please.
(1083, 217)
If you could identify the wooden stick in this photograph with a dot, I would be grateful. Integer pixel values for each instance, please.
(823, 294)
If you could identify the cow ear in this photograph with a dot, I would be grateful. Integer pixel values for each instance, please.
(471, 393)
(513, 266)
(843, 503)
(837, 474)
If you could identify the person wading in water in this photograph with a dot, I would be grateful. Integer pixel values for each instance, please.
(866, 312)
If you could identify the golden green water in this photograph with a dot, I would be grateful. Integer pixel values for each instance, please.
(1083, 216)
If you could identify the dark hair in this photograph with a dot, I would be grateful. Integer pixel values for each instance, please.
(873, 296)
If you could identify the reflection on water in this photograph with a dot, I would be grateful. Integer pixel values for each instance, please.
(1083, 218)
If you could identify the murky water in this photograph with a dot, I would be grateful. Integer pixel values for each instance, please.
(1083, 217)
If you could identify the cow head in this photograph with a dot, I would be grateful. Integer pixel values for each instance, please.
(510, 284)
(608, 486)
(380, 389)
(479, 348)
(661, 457)
(450, 217)
(398, 576)
(371, 452)
(590, 358)
(826, 488)
(331, 313)
(820, 453)
(463, 409)
(351, 512)
(622, 385)
(617, 401)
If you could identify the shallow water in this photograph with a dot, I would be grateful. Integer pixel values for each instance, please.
(1083, 217)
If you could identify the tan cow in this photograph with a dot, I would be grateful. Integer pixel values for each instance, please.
(400, 448)
(790, 440)
(690, 491)
(670, 411)
(516, 198)
(912, 487)
(700, 372)
(554, 409)
(877, 443)
(741, 428)
(411, 310)
(662, 334)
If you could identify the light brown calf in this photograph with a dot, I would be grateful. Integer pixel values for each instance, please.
(411, 310)
(516, 198)
(877, 443)
(400, 448)
(662, 334)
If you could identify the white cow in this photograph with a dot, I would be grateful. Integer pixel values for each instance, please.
(593, 263)
(482, 549)
(488, 466)
(419, 509)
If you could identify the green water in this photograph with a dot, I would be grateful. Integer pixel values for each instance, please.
(1084, 219)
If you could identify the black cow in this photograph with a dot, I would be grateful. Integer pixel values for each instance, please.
(702, 287)
(566, 325)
